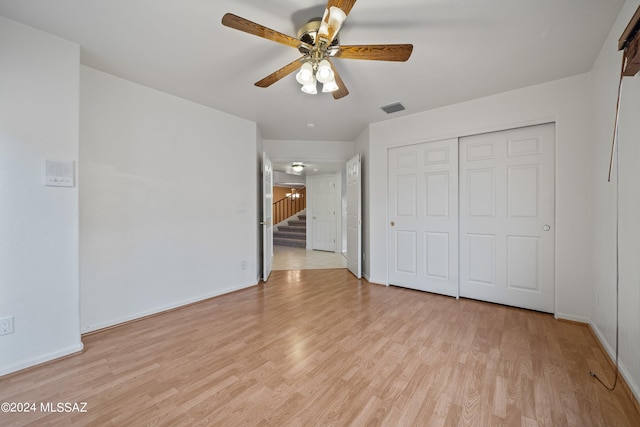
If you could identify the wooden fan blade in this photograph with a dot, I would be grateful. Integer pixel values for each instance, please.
(377, 52)
(282, 72)
(233, 21)
(342, 89)
(333, 19)
(344, 5)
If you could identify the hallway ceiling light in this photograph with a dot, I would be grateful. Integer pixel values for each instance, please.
(297, 166)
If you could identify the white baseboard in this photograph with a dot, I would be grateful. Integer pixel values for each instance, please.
(573, 318)
(77, 348)
(157, 310)
(624, 372)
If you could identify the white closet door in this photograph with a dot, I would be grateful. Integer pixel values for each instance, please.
(507, 217)
(423, 217)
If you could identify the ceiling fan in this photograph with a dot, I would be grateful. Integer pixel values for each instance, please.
(318, 42)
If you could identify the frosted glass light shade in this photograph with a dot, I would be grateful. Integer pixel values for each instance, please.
(336, 19)
(332, 21)
(305, 75)
(324, 73)
(310, 88)
(330, 86)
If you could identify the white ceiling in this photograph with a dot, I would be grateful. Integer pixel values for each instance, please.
(463, 49)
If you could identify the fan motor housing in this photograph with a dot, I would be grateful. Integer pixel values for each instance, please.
(308, 34)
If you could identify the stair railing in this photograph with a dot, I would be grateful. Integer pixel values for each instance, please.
(288, 206)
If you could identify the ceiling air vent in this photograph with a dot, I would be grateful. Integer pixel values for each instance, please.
(392, 108)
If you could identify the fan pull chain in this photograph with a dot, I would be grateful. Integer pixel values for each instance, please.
(615, 128)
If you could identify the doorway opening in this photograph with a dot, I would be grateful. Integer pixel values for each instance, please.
(312, 236)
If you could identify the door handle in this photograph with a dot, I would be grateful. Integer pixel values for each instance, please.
(546, 227)
(392, 224)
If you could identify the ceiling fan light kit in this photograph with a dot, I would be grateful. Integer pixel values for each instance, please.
(318, 42)
(310, 72)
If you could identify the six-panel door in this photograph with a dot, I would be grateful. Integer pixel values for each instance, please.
(507, 217)
(423, 216)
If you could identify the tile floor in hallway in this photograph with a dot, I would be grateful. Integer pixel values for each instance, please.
(288, 258)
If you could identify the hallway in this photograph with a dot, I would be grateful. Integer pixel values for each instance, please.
(290, 258)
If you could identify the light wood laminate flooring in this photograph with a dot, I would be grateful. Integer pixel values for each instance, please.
(319, 347)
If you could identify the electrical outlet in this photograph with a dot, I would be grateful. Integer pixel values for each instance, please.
(6, 325)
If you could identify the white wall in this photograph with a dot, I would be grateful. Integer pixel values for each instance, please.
(605, 76)
(564, 101)
(167, 202)
(38, 224)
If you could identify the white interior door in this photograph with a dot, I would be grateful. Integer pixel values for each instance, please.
(507, 217)
(354, 217)
(423, 216)
(324, 213)
(267, 216)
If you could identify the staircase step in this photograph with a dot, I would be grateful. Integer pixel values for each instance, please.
(289, 235)
(293, 234)
(292, 229)
(289, 242)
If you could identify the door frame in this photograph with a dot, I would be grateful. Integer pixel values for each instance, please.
(267, 216)
(354, 201)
